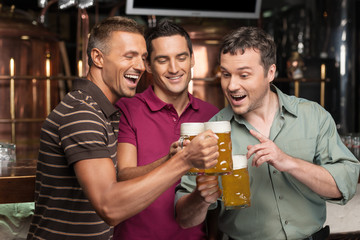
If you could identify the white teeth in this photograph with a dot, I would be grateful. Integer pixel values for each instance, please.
(135, 77)
(174, 78)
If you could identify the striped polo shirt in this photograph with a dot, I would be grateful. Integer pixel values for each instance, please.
(83, 126)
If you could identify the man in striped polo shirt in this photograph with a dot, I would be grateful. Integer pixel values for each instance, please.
(77, 195)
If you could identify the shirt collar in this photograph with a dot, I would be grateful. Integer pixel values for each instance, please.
(156, 104)
(286, 103)
(95, 92)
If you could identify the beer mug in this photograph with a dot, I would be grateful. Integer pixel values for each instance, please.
(7, 158)
(188, 131)
(223, 130)
(236, 186)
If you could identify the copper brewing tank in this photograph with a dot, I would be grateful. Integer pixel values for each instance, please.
(29, 57)
(206, 42)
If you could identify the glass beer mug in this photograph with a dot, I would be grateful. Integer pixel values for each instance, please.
(7, 158)
(223, 130)
(188, 131)
(236, 186)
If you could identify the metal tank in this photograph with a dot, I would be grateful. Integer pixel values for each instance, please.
(205, 83)
(29, 60)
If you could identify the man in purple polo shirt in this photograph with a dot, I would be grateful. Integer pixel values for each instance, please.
(150, 123)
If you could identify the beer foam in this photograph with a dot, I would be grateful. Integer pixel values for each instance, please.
(191, 128)
(239, 161)
(218, 126)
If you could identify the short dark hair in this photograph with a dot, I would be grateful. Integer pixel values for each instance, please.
(101, 32)
(250, 37)
(165, 28)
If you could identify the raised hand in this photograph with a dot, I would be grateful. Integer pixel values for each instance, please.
(267, 151)
(202, 151)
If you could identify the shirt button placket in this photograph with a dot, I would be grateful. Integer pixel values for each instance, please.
(172, 113)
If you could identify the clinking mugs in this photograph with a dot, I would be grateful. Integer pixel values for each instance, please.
(236, 186)
(223, 130)
(188, 131)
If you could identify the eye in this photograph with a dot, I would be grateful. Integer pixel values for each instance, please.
(244, 75)
(225, 74)
(182, 58)
(129, 55)
(161, 60)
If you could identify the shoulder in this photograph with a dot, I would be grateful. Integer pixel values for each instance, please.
(302, 107)
(208, 106)
(314, 109)
(308, 113)
(131, 103)
(77, 106)
(225, 114)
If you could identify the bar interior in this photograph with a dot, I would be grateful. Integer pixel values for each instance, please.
(43, 49)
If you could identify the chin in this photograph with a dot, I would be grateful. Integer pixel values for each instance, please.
(127, 94)
(238, 110)
(130, 94)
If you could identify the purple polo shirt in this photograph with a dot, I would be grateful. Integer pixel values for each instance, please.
(152, 126)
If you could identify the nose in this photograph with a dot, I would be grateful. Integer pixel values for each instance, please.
(140, 64)
(233, 84)
(173, 67)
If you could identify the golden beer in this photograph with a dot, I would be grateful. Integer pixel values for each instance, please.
(236, 186)
(189, 131)
(223, 130)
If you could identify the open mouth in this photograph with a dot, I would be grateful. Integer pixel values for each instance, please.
(238, 98)
(132, 77)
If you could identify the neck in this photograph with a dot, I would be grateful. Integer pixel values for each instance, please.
(181, 104)
(94, 77)
(179, 101)
(263, 117)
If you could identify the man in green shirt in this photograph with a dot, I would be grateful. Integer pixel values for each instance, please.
(296, 158)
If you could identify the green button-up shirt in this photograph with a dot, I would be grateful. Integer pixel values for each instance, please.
(281, 206)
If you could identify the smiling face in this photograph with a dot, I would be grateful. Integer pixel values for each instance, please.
(123, 63)
(244, 82)
(170, 64)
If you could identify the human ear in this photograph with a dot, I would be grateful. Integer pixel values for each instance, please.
(147, 66)
(97, 57)
(271, 72)
(192, 61)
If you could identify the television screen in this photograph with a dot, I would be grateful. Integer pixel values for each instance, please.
(200, 8)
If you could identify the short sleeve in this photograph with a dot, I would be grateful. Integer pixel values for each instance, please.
(127, 131)
(84, 132)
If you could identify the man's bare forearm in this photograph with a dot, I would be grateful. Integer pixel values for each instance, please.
(191, 210)
(133, 172)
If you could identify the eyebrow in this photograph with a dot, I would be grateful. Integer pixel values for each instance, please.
(177, 55)
(183, 53)
(134, 52)
(238, 69)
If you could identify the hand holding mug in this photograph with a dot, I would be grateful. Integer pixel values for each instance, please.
(208, 188)
(202, 151)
